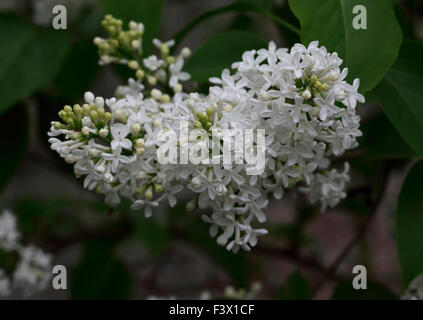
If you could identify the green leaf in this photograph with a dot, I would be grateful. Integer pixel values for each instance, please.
(100, 276)
(219, 52)
(409, 225)
(296, 287)
(29, 58)
(78, 70)
(401, 97)
(240, 7)
(146, 11)
(381, 140)
(13, 146)
(150, 233)
(367, 53)
(375, 291)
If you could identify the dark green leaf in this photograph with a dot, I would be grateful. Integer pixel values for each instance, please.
(296, 287)
(237, 6)
(29, 58)
(146, 11)
(13, 146)
(78, 70)
(381, 140)
(219, 52)
(375, 291)
(401, 97)
(367, 53)
(100, 276)
(409, 225)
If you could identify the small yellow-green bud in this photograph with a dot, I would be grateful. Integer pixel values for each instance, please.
(158, 187)
(136, 128)
(152, 80)
(107, 116)
(133, 64)
(140, 190)
(177, 88)
(136, 44)
(191, 205)
(140, 142)
(68, 109)
(164, 49)
(140, 74)
(75, 136)
(98, 41)
(165, 98)
(86, 108)
(149, 193)
(227, 107)
(62, 114)
(186, 52)
(313, 79)
(133, 25)
(170, 59)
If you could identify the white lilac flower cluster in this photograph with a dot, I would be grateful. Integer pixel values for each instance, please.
(229, 293)
(415, 290)
(298, 96)
(24, 268)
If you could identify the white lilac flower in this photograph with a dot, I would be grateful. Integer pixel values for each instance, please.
(33, 272)
(414, 290)
(33, 268)
(9, 234)
(4, 284)
(298, 96)
(153, 63)
(229, 293)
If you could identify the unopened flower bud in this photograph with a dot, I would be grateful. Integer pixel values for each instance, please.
(177, 88)
(149, 193)
(152, 80)
(165, 98)
(99, 102)
(158, 188)
(103, 133)
(306, 94)
(133, 64)
(140, 74)
(186, 52)
(89, 97)
(136, 128)
(156, 94)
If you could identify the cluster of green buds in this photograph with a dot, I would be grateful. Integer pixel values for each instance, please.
(310, 86)
(148, 190)
(75, 118)
(122, 45)
(125, 47)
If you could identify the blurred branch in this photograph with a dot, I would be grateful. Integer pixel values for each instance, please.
(292, 255)
(374, 206)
